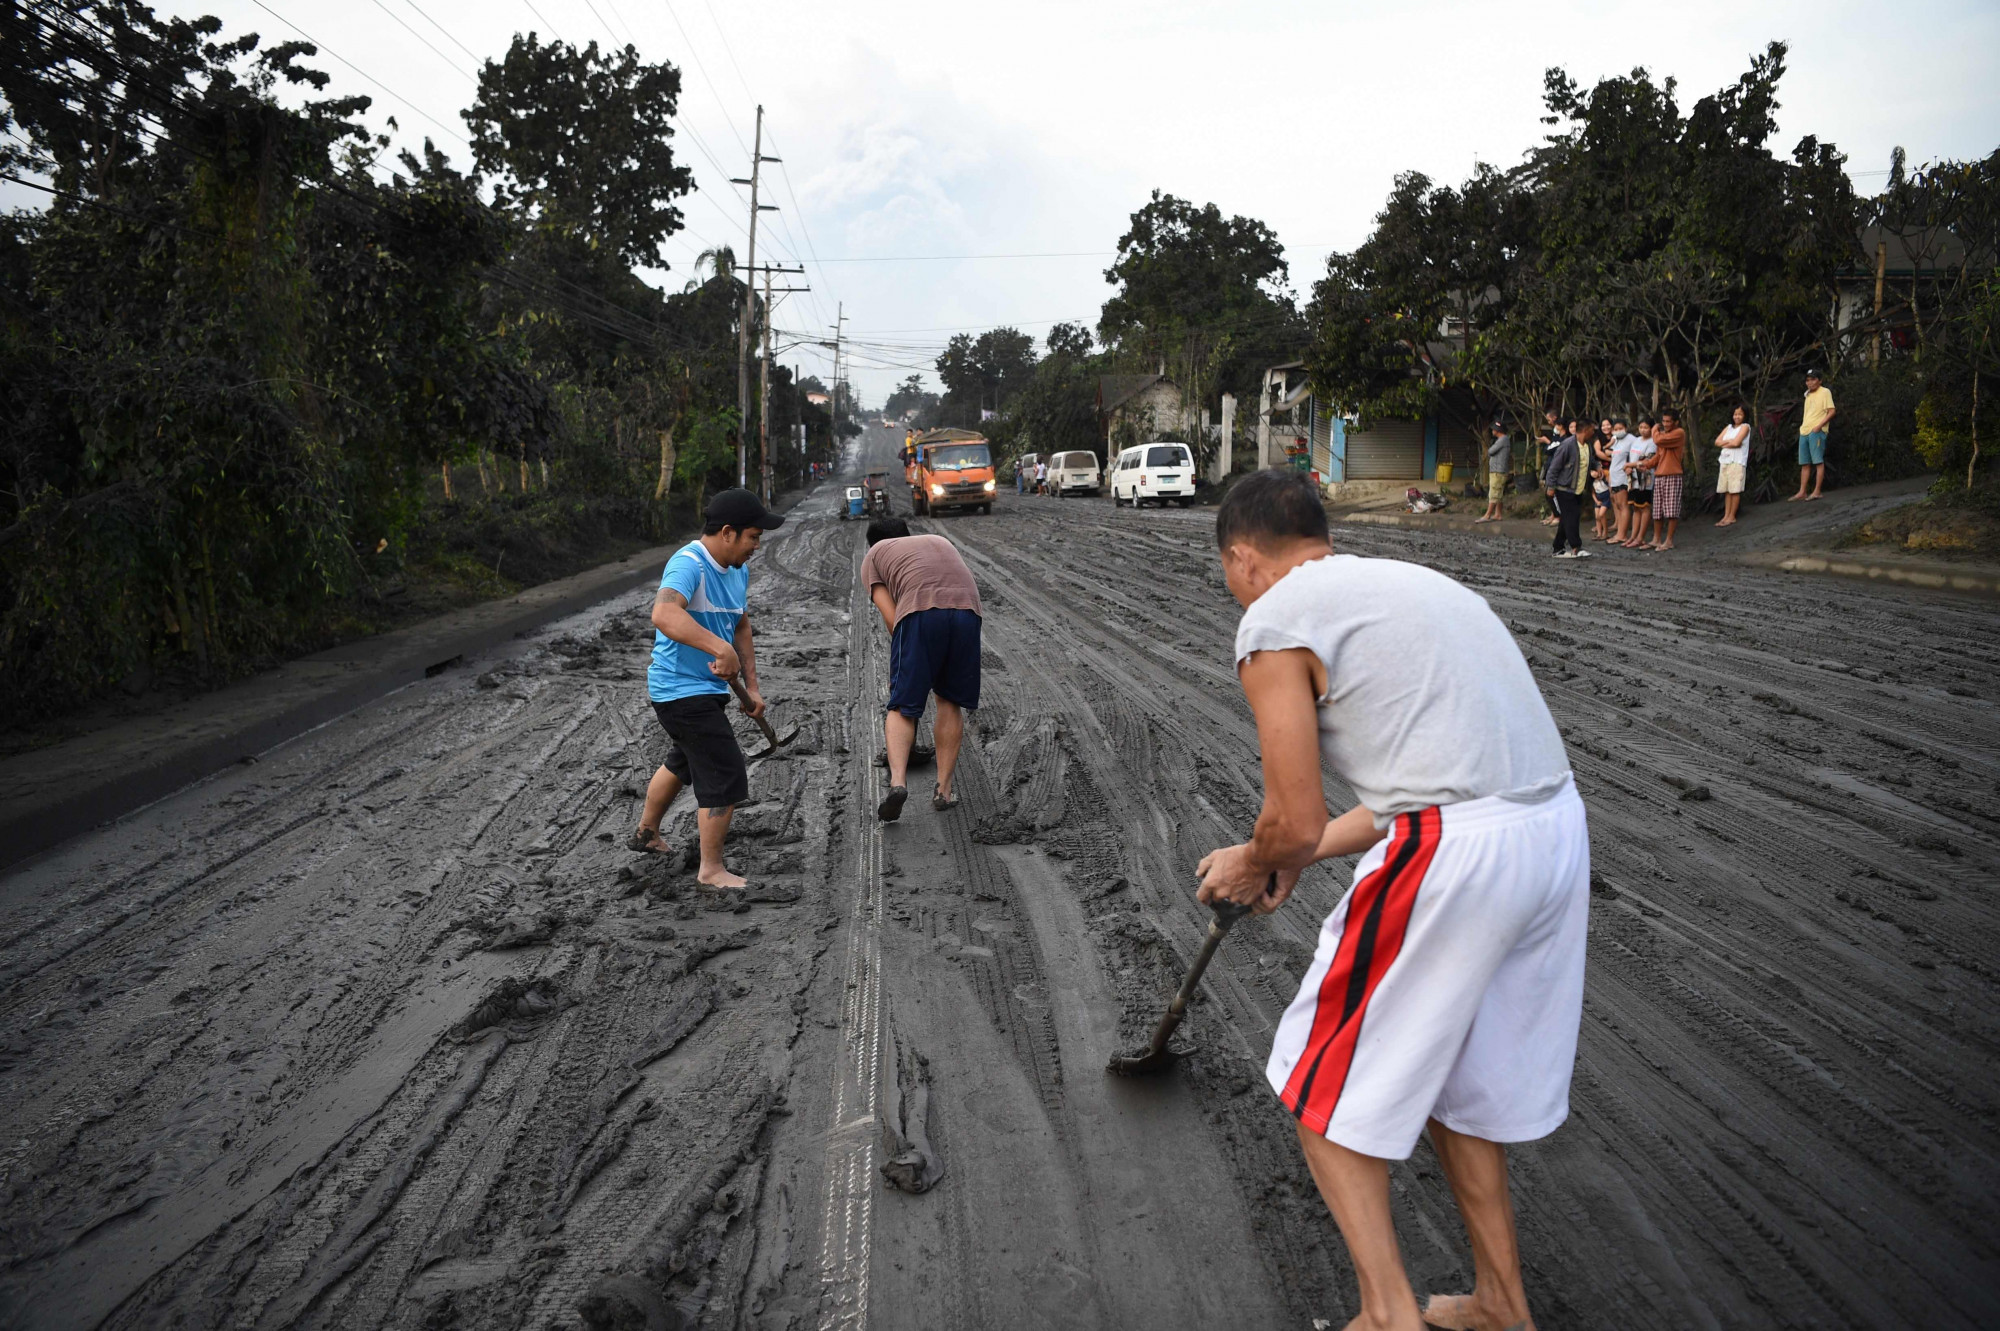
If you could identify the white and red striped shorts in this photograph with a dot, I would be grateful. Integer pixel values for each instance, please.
(1448, 982)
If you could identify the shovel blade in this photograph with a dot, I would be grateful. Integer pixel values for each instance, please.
(785, 736)
(1150, 1063)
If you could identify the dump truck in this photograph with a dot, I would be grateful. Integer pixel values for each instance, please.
(953, 469)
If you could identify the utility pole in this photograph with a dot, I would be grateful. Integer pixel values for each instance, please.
(839, 318)
(764, 400)
(764, 376)
(757, 160)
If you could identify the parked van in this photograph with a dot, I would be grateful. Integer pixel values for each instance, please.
(1075, 473)
(1024, 470)
(1156, 472)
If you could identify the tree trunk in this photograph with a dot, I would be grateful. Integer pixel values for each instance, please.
(666, 481)
(1973, 461)
(521, 453)
(545, 472)
(444, 469)
(485, 481)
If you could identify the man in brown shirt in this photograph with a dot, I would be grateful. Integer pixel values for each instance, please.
(1669, 467)
(930, 605)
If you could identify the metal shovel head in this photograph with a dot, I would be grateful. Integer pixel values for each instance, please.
(785, 736)
(1155, 1058)
(1147, 1063)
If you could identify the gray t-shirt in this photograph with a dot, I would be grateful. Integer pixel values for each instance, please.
(1500, 453)
(1428, 701)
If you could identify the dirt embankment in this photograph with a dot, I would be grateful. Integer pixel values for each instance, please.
(389, 1030)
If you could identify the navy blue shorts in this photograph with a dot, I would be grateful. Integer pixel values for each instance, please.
(934, 651)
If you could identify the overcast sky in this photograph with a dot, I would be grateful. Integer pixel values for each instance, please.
(911, 130)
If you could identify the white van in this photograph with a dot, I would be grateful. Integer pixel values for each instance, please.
(1075, 473)
(1157, 472)
(1024, 470)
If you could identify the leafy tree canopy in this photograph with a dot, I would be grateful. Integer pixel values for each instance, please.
(583, 140)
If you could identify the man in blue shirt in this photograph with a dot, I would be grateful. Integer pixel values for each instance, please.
(702, 640)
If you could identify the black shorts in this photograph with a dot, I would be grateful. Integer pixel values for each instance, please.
(705, 755)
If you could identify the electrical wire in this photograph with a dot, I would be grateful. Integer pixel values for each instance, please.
(363, 73)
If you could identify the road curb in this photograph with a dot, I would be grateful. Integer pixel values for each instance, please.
(53, 794)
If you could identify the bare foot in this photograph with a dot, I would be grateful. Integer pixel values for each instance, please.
(647, 840)
(1458, 1312)
(1795, 498)
(1814, 496)
(721, 878)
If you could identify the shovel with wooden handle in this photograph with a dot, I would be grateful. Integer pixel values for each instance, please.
(773, 741)
(1156, 1056)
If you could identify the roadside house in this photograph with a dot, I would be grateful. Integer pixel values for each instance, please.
(1138, 408)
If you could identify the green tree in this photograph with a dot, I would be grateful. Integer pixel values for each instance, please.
(583, 141)
(981, 374)
(1201, 296)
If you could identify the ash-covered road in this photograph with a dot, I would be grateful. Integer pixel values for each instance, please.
(389, 1030)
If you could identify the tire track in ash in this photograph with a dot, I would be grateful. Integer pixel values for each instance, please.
(848, 1193)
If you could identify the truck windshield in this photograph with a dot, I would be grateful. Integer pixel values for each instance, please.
(953, 457)
(1167, 455)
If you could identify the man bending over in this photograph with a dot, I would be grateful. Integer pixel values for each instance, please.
(1447, 987)
(930, 605)
(702, 641)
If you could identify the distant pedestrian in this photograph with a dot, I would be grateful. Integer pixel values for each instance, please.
(702, 641)
(1600, 481)
(1499, 461)
(1563, 480)
(1639, 498)
(1669, 478)
(1042, 477)
(1732, 463)
(930, 605)
(1020, 476)
(1816, 415)
(1620, 476)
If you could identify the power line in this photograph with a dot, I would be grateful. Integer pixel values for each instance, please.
(446, 31)
(425, 40)
(544, 22)
(363, 73)
(714, 92)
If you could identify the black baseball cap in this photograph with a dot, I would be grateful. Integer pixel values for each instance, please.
(739, 508)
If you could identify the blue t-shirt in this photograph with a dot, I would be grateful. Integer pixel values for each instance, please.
(715, 597)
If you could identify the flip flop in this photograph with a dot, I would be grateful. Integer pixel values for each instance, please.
(943, 802)
(891, 807)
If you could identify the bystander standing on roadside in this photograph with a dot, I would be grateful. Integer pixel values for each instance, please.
(1732, 464)
(1563, 480)
(1042, 477)
(1816, 415)
(1499, 461)
(1600, 481)
(1640, 495)
(1669, 478)
(930, 605)
(1620, 477)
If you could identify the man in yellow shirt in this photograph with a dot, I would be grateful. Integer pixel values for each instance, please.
(1817, 415)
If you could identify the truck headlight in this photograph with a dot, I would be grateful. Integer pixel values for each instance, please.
(989, 487)
(937, 490)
